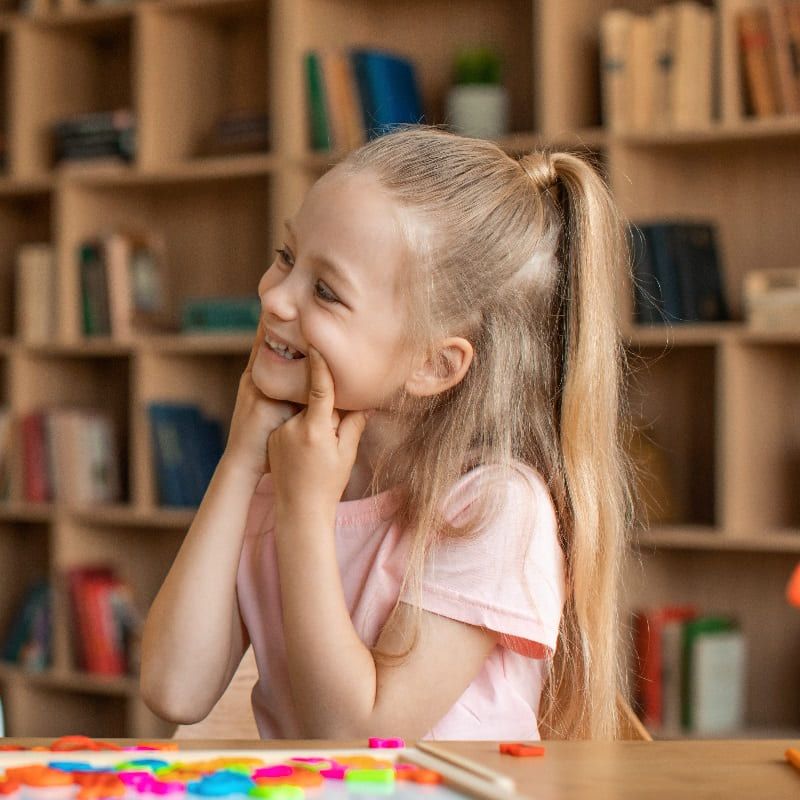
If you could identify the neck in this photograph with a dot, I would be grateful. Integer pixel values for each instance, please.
(379, 434)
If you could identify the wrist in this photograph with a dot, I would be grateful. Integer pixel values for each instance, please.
(239, 470)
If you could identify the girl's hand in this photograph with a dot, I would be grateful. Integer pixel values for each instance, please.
(255, 416)
(313, 452)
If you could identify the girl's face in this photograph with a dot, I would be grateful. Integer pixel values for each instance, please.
(333, 285)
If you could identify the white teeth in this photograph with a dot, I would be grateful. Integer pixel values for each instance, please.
(281, 349)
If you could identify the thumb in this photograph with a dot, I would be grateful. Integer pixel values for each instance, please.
(350, 429)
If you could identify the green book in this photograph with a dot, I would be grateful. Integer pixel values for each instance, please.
(319, 124)
(692, 631)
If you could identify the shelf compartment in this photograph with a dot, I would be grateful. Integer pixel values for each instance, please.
(686, 183)
(503, 24)
(139, 555)
(35, 710)
(724, 583)
(216, 237)
(182, 96)
(43, 381)
(761, 434)
(24, 219)
(24, 560)
(61, 70)
(672, 398)
(208, 380)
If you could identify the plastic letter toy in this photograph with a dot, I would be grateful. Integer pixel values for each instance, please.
(521, 749)
(388, 743)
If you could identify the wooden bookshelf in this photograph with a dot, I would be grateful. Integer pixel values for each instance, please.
(723, 399)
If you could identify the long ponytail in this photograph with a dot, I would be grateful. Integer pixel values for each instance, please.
(598, 504)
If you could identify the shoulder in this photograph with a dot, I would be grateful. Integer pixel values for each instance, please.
(514, 493)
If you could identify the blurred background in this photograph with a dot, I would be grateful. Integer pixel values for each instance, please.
(150, 152)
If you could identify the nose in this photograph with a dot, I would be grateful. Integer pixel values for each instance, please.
(277, 296)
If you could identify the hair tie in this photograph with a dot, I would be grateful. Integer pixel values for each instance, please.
(539, 167)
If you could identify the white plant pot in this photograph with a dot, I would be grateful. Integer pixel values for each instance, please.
(478, 109)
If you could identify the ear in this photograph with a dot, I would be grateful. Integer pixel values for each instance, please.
(442, 369)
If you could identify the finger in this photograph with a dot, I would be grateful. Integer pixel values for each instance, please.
(320, 389)
(256, 345)
(350, 430)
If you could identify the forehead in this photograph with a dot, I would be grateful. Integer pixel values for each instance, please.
(350, 219)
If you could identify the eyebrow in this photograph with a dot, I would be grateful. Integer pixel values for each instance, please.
(325, 263)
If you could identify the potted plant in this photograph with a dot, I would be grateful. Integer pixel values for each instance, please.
(477, 103)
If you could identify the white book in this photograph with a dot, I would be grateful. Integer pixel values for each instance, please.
(718, 682)
(615, 71)
(35, 293)
(693, 68)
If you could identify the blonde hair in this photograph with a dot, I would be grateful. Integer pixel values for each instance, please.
(522, 258)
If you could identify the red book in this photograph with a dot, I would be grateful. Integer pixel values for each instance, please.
(649, 626)
(111, 659)
(34, 458)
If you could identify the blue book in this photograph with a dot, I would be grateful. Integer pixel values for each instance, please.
(388, 90)
(658, 237)
(169, 456)
(697, 265)
(647, 301)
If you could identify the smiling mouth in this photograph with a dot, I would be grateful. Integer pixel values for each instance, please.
(283, 350)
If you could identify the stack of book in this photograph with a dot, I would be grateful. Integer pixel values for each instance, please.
(657, 70)
(28, 639)
(235, 134)
(98, 135)
(769, 39)
(122, 285)
(677, 276)
(69, 455)
(690, 671)
(186, 448)
(358, 94)
(106, 621)
(220, 314)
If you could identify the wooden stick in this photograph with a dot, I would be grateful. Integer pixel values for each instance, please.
(467, 764)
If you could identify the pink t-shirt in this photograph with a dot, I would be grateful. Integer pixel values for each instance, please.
(508, 578)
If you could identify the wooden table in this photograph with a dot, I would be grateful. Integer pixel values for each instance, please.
(722, 770)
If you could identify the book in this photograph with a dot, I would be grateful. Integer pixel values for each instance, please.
(788, 89)
(648, 629)
(96, 134)
(100, 633)
(215, 314)
(35, 293)
(714, 674)
(318, 119)
(36, 483)
(663, 54)
(94, 289)
(28, 637)
(117, 250)
(692, 83)
(388, 89)
(615, 37)
(343, 100)
(677, 273)
(664, 280)
(695, 252)
(758, 54)
(187, 446)
(642, 73)
(647, 298)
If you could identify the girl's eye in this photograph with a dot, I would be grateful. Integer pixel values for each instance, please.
(324, 293)
(285, 256)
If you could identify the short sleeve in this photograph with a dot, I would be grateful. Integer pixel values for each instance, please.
(507, 576)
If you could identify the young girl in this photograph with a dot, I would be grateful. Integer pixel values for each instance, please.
(420, 514)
